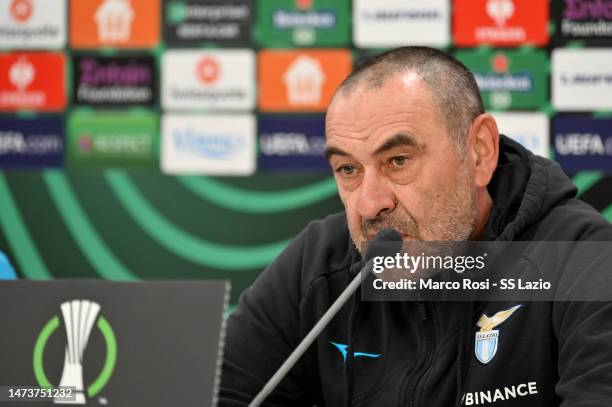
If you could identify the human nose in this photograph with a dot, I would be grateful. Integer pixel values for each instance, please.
(375, 197)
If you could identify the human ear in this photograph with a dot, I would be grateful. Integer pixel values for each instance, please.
(483, 148)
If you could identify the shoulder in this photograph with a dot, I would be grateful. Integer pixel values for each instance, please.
(325, 247)
(573, 220)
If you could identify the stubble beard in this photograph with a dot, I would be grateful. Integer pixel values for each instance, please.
(452, 216)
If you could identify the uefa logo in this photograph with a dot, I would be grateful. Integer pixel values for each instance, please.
(79, 319)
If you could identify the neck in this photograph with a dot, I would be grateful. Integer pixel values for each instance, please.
(484, 205)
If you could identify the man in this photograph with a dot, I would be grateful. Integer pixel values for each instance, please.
(411, 148)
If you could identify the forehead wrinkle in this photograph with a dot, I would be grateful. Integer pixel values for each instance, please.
(354, 121)
(402, 126)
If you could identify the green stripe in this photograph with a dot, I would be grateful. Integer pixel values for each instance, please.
(181, 243)
(586, 179)
(91, 244)
(607, 213)
(18, 237)
(258, 201)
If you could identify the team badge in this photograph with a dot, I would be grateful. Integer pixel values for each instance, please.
(487, 337)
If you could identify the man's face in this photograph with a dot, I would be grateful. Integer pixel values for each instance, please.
(396, 166)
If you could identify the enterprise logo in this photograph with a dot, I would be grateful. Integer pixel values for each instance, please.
(31, 143)
(478, 398)
(519, 82)
(288, 19)
(208, 145)
(583, 144)
(401, 15)
(292, 143)
(218, 146)
(15, 142)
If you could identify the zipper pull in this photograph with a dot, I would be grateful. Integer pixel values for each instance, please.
(422, 310)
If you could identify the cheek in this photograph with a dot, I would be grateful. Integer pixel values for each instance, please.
(420, 199)
(348, 200)
(350, 206)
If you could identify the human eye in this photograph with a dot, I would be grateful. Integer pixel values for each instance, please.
(398, 161)
(346, 170)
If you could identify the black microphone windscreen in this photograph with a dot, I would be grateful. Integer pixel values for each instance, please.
(387, 242)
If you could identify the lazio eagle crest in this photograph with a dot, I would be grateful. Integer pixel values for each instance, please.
(486, 338)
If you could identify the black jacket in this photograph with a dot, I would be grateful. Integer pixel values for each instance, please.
(422, 354)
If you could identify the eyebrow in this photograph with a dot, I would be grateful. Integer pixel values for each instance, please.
(329, 151)
(397, 140)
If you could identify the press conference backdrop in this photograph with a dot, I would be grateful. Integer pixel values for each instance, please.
(183, 138)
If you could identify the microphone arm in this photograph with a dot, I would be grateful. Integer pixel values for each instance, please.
(377, 248)
(309, 339)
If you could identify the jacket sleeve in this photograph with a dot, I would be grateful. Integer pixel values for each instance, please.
(585, 353)
(262, 333)
(583, 325)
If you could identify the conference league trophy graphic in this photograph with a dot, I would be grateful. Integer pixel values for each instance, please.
(79, 317)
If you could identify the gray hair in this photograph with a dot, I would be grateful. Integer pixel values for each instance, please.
(451, 83)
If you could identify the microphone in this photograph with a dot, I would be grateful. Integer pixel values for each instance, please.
(376, 248)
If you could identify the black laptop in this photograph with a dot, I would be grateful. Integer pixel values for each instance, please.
(101, 343)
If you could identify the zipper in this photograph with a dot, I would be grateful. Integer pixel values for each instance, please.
(426, 361)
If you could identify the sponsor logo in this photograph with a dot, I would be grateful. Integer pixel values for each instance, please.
(304, 81)
(292, 144)
(588, 9)
(116, 23)
(21, 10)
(531, 130)
(388, 23)
(32, 81)
(29, 24)
(114, 20)
(114, 80)
(343, 349)
(283, 144)
(288, 19)
(304, 4)
(300, 81)
(31, 143)
(223, 79)
(15, 142)
(501, 80)
(115, 143)
(586, 18)
(583, 143)
(208, 70)
(221, 145)
(192, 22)
(582, 79)
(500, 22)
(217, 146)
(487, 397)
(107, 139)
(21, 73)
(79, 317)
(486, 344)
(305, 24)
(500, 11)
(304, 21)
(509, 79)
